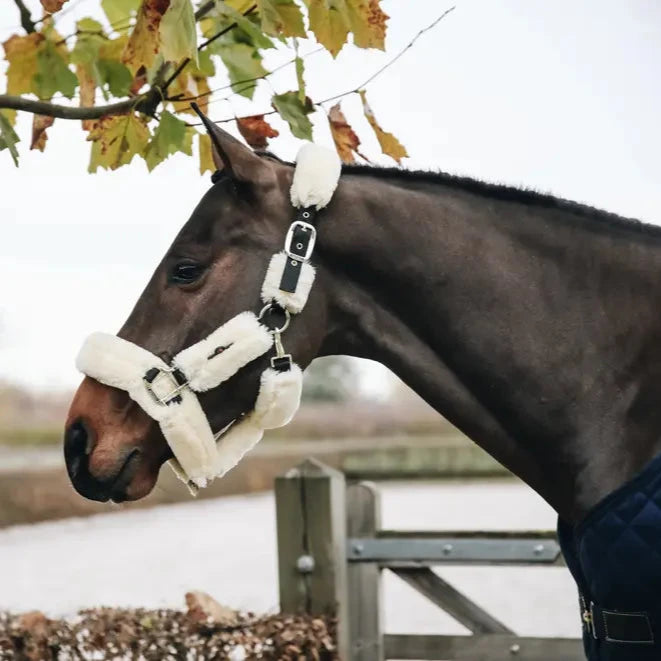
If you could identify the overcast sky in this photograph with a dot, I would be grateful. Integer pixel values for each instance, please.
(559, 96)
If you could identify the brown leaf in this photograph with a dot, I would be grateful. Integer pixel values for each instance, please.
(87, 87)
(256, 130)
(51, 6)
(39, 125)
(144, 42)
(203, 608)
(346, 140)
(390, 145)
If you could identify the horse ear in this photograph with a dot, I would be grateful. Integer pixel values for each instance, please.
(238, 161)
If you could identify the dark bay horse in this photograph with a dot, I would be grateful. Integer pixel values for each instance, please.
(531, 323)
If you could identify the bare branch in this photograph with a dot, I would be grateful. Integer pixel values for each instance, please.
(72, 112)
(26, 18)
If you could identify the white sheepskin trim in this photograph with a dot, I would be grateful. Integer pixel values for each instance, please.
(292, 301)
(242, 339)
(316, 176)
(115, 362)
(240, 439)
(279, 397)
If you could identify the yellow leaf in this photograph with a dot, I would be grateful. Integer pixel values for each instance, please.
(281, 17)
(117, 140)
(389, 143)
(112, 49)
(144, 42)
(21, 53)
(87, 92)
(368, 23)
(51, 6)
(204, 89)
(206, 154)
(186, 87)
(346, 140)
(329, 23)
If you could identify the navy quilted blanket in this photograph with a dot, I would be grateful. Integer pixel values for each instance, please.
(614, 555)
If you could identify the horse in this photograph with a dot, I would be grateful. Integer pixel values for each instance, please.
(530, 322)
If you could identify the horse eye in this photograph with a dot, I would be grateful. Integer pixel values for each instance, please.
(186, 273)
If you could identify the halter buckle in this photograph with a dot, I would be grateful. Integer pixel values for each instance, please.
(305, 227)
(165, 385)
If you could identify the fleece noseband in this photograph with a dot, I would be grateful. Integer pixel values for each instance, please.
(167, 392)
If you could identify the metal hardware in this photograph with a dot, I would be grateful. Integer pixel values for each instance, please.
(281, 361)
(284, 327)
(515, 648)
(407, 551)
(163, 386)
(592, 625)
(306, 214)
(305, 564)
(290, 236)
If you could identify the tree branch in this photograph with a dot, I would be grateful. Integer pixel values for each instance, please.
(141, 104)
(26, 18)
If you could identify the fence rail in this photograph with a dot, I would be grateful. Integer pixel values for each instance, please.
(332, 550)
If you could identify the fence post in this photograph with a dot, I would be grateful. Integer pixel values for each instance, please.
(364, 579)
(312, 565)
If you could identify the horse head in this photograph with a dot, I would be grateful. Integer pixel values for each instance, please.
(213, 271)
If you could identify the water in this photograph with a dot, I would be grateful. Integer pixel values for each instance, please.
(227, 547)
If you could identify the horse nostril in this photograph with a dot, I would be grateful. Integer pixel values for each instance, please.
(77, 444)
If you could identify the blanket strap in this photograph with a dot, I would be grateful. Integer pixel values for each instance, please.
(618, 626)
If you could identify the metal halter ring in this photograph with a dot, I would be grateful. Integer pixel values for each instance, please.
(271, 306)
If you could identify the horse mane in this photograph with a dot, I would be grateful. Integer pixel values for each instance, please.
(527, 196)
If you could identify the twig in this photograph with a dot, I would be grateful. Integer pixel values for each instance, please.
(26, 17)
(361, 86)
(394, 59)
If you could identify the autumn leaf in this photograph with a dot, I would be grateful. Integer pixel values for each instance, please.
(179, 32)
(295, 113)
(8, 137)
(21, 53)
(206, 154)
(244, 63)
(246, 24)
(329, 23)
(51, 6)
(255, 130)
(39, 136)
(346, 141)
(53, 73)
(389, 143)
(117, 140)
(281, 17)
(144, 42)
(170, 137)
(203, 93)
(367, 22)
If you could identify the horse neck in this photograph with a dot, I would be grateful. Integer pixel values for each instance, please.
(532, 327)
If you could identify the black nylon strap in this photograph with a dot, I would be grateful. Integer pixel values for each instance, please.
(297, 248)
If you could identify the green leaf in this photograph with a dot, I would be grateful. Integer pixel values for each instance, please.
(243, 63)
(170, 137)
(295, 113)
(8, 138)
(117, 139)
(204, 67)
(179, 32)
(53, 75)
(115, 75)
(119, 11)
(248, 24)
(281, 17)
(300, 70)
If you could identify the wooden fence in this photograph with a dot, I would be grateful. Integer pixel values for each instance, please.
(332, 549)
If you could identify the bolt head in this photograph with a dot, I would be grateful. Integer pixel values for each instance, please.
(305, 564)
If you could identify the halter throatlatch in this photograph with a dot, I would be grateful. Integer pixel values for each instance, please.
(168, 392)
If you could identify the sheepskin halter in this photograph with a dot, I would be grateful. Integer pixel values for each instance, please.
(168, 392)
